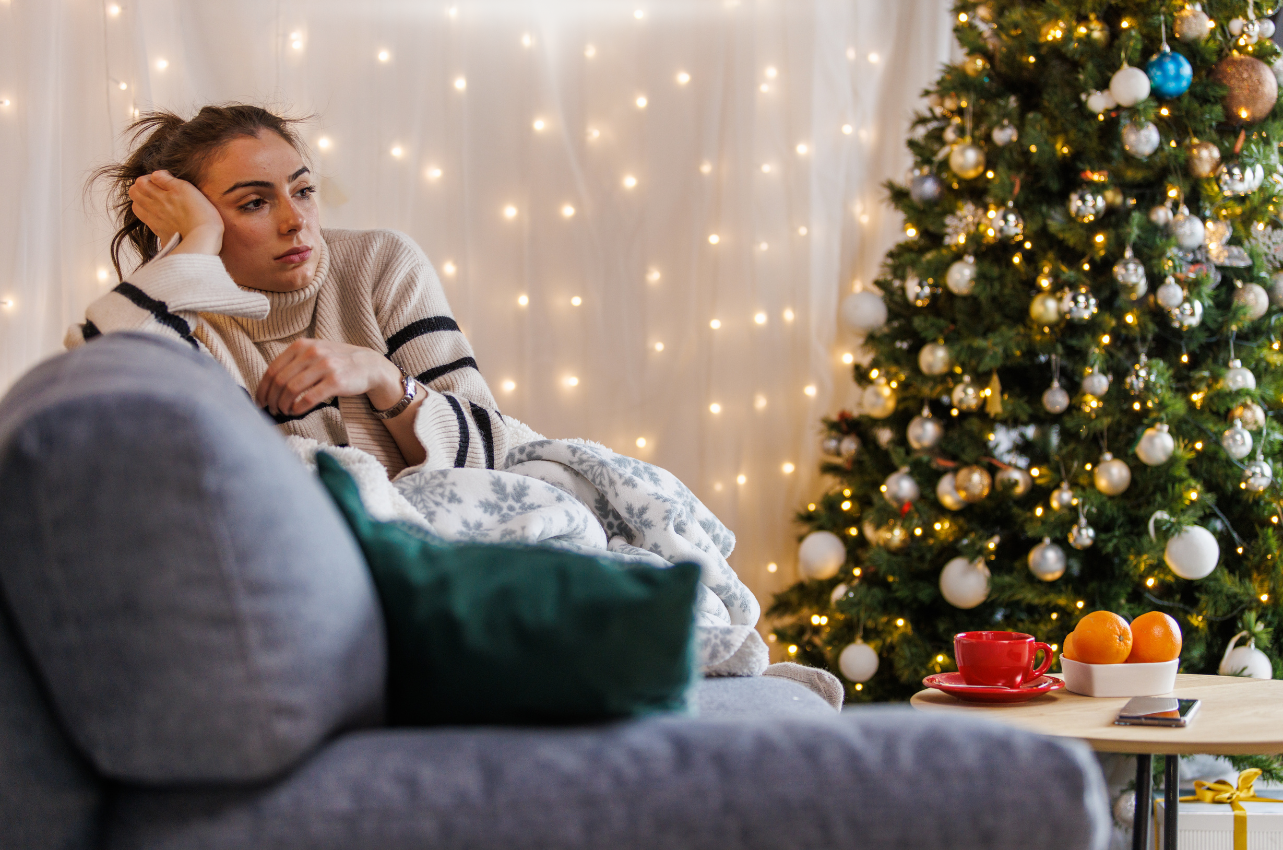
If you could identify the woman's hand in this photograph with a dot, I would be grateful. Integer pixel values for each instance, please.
(310, 371)
(168, 205)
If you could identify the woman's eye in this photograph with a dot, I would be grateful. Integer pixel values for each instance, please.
(307, 191)
(255, 204)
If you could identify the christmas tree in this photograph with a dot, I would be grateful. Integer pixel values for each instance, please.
(1073, 386)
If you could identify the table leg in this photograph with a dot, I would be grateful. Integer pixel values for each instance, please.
(1144, 805)
(1171, 800)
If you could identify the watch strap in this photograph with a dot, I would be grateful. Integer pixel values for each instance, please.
(411, 392)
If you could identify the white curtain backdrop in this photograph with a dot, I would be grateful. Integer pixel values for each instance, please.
(644, 213)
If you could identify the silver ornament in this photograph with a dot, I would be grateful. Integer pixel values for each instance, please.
(1095, 383)
(919, 292)
(1111, 475)
(1141, 139)
(900, 489)
(1055, 399)
(934, 359)
(1082, 535)
(947, 493)
(924, 431)
(1237, 178)
(1254, 297)
(1086, 204)
(1077, 303)
(1237, 441)
(1045, 308)
(1250, 414)
(1169, 295)
(849, 447)
(1236, 26)
(961, 277)
(967, 160)
(1251, 31)
(1047, 560)
(1139, 376)
(1257, 475)
(1191, 24)
(1008, 223)
(966, 396)
(884, 436)
(1238, 378)
(1188, 229)
(1156, 445)
(1130, 274)
(1161, 215)
(1004, 134)
(1188, 315)
(926, 188)
(973, 483)
(1013, 480)
(831, 445)
(1062, 498)
(863, 311)
(878, 400)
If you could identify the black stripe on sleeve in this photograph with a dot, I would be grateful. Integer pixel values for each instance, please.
(482, 417)
(432, 374)
(89, 330)
(461, 456)
(281, 418)
(413, 330)
(159, 310)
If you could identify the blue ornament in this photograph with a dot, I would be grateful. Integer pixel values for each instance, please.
(1169, 73)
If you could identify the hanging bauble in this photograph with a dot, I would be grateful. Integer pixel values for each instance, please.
(919, 292)
(1192, 24)
(1188, 229)
(884, 436)
(1045, 308)
(1130, 274)
(967, 160)
(831, 445)
(1008, 223)
(1188, 315)
(1086, 204)
(1169, 73)
(1237, 441)
(953, 132)
(934, 359)
(966, 396)
(1062, 498)
(1250, 414)
(1237, 178)
(1266, 28)
(838, 593)
(975, 65)
(893, 537)
(1047, 560)
(1140, 139)
(849, 447)
(1253, 90)
(1077, 303)
(1160, 214)
(947, 493)
(924, 431)
(973, 483)
(878, 400)
(1254, 297)
(1257, 475)
(1095, 383)
(1156, 445)
(1238, 378)
(1114, 197)
(926, 188)
(1204, 158)
(1101, 102)
(1055, 399)
(1139, 376)
(1170, 294)
(821, 555)
(1097, 31)
(1082, 535)
(1111, 475)
(900, 489)
(858, 662)
(863, 311)
(1245, 660)
(1191, 553)
(1014, 481)
(961, 277)
(1004, 134)
(1129, 85)
(963, 583)
(1248, 31)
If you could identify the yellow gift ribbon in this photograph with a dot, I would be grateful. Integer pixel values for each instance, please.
(1221, 791)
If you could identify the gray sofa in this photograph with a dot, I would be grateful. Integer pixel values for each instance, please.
(191, 656)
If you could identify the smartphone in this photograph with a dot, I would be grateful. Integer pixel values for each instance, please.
(1157, 711)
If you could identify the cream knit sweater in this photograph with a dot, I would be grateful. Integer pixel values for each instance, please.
(373, 288)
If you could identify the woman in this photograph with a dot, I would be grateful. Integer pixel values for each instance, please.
(342, 336)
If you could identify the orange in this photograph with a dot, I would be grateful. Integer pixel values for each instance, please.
(1067, 651)
(1102, 637)
(1155, 637)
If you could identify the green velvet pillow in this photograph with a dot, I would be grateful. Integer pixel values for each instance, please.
(482, 633)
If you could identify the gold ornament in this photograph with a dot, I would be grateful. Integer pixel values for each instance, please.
(1097, 31)
(1253, 88)
(972, 483)
(1204, 159)
(967, 160)
(1045, 308)
(1191, 23)
(975, 65)
(1114, 196)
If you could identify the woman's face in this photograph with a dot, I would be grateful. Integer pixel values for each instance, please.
(271, 222)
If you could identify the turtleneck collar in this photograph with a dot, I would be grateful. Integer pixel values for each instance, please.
(289, 313)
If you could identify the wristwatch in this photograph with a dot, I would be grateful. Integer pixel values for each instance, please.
(411, 392)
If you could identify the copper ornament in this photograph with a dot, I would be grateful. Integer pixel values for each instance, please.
(1253, 89)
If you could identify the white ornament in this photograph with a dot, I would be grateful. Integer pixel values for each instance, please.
(934, 359)
(1129, 85)
(1055, 399)
(1187, 315)
(1238, 378)
(1141, 140)
(878, 400)
(1245, 660)
(1004, 134)
(961, 277)
(1191, 553)
(1237, 441)
(1156, 445)
(1047, 560)
(947, 493)
(1188, 229)
(1265, 28)
(1095, 383)
(900, 489)
(1170, 295)
(838, 593)
(964, 584)
(821, 555)
(1255, 298)
(1112, 476)
(924, 431)
(863, 311)
(858, 662)
(1101, 102)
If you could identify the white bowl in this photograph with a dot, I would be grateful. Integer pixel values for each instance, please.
(1119, 680)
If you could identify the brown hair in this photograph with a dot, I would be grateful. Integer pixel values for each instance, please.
(183, 148)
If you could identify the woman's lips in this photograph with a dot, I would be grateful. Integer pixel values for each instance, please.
(295, 255)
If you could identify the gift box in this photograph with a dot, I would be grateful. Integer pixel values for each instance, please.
(1210, 826)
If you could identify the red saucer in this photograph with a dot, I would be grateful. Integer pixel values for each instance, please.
(953, 685)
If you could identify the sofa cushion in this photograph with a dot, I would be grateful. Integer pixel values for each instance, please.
(875, 779)
(194, 602)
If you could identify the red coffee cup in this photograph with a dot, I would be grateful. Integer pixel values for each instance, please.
(999, 659)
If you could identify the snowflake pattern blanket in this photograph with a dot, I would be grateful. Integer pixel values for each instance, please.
(581, 496)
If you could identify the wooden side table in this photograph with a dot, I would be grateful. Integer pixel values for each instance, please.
(1237, 717)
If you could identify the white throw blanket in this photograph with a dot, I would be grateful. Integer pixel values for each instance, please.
(581, 496)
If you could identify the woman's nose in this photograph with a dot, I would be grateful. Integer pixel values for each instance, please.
(291, 218)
